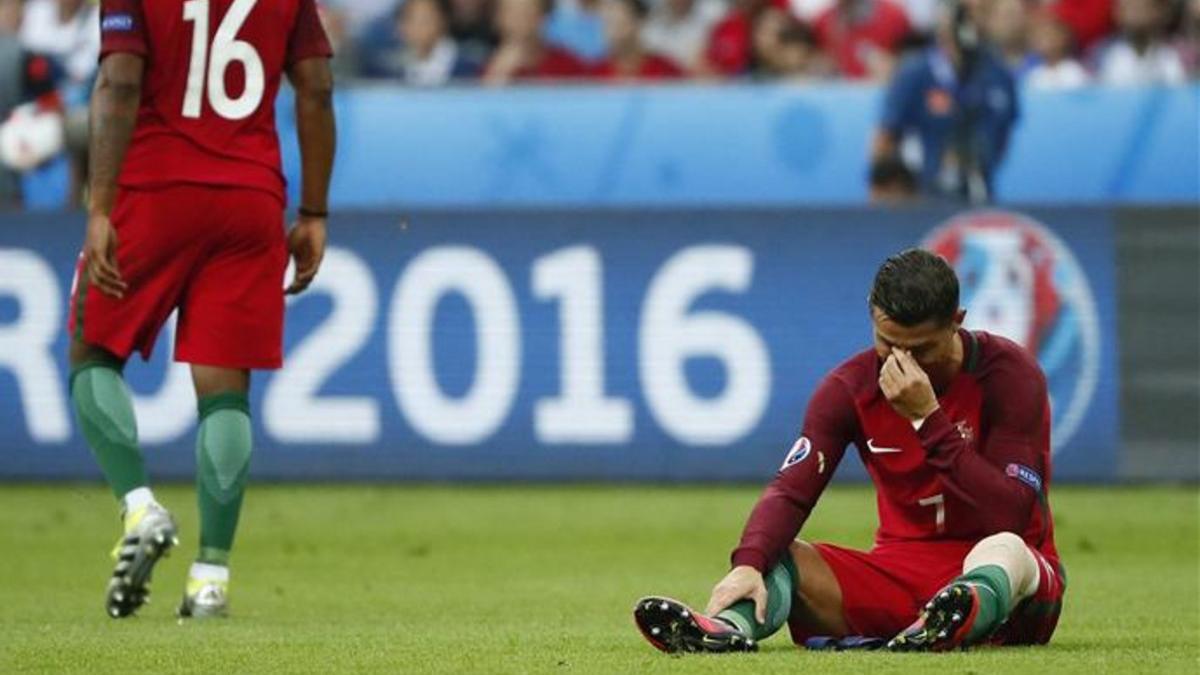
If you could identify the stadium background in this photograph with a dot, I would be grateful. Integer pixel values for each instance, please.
(623, 294)
(687, 294)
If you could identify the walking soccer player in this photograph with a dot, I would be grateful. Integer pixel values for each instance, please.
(186, 211)
(954, 429)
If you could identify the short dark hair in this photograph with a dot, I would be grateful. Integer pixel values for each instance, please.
(915, 286)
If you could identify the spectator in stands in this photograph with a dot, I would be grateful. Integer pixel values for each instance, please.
(25, 77)
(730, 44)
(784, 48)
(431, 57)
(862, 36)
(628, 58)
(1141, 55)
(678, 29)
(523, 54)
(1090, 20)
(360, 15)
(420, 51)
(66, 30)
(922, 14)
(1053, 45)
(959, 102)
(892, 183)
(380, 51)
(473, 28)
(1188, 42)
(1006, 26)
(345, 48)
(578, 26)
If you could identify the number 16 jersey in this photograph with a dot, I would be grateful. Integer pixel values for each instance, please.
(213, 69)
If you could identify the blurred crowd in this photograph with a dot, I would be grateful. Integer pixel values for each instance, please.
(49, 48)
(1047, 43)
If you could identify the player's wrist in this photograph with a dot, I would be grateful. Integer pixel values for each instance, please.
(313, 213)
(919, 420)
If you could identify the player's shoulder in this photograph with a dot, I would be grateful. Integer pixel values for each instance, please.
(999, 358)
(859, 374)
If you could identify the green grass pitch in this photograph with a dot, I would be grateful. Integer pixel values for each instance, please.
(536, 579)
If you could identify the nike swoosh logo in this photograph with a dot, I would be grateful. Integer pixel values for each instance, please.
(880, 450)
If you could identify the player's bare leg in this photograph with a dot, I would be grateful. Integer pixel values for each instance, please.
(104, 411)
(223, 446)
(819, 597)
(998, 573)
(803, 588)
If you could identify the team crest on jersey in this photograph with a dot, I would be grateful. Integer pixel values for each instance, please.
(1021, 281)
(800, 451)
(965, 431)
(1024, 474)
(117, 22)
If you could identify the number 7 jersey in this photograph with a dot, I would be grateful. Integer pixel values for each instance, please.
(213, 69)
(979, 465)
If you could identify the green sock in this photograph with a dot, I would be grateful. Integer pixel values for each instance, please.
(104, 412)
(222, 458)
(995, 595)
(781, 584)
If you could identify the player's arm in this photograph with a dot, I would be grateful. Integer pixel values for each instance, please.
(312, 79)
(112, 115)
(830, 424)
(1016, 410)
(1016, 406)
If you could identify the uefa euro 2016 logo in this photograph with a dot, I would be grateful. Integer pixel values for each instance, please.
(1019, 280)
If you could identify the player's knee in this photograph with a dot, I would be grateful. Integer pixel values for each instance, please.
(1008, 540)
(1005, 548)
(214, 381)
(80, 352)
(818, 596)
(804, 555)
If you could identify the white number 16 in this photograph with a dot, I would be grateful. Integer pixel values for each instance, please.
(226, 49)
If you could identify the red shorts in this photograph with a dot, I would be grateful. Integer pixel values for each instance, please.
(218, 255)
(884, 589)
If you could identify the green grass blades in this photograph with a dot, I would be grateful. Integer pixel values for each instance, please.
(535, 580)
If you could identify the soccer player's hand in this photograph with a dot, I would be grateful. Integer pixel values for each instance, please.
(906, 386)
(100, 254)
(306, 243)
(741, 583)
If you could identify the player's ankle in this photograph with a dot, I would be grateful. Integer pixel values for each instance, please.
(137, 499)
(734, 621)
(209, 572)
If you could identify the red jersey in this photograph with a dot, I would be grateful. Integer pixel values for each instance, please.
(652, 67)
(213, 68)
(728, 49)
(850, 39)
(978, 465)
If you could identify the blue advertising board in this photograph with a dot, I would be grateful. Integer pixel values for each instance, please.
(581, 345)
(745, 146)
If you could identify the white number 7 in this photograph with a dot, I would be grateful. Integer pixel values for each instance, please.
(226, 49)
(938, 500)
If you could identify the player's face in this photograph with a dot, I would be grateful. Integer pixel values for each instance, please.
(931, 343)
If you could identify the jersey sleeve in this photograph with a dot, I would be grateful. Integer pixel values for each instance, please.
(830, 424)
(122, 28)
(308, 39)
(1004, 478)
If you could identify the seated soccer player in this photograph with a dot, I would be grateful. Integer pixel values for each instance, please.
(954, 429)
